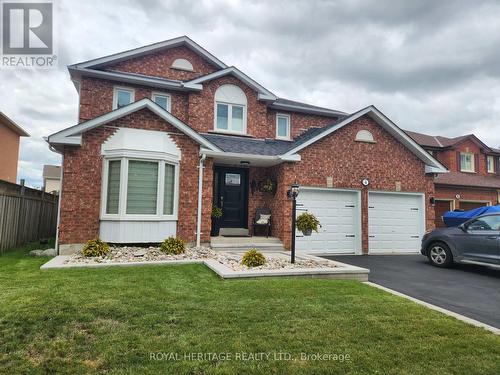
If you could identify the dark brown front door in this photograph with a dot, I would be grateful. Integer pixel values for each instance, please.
(232, 196)
(440, 207)
(471, 205)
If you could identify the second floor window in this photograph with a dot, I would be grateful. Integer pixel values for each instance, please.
(230, 110)
(163, 100)
(490, 164)
(122, 97)
(466, 162)
(282, 126)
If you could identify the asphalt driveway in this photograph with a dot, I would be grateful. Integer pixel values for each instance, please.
(472, 291)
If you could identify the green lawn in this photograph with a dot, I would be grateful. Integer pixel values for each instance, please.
(111, 320)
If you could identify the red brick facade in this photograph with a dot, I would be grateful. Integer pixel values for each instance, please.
(385, 162)
(80, 207)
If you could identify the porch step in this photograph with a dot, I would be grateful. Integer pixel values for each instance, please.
(233, 232)
(245, 243)
(262, 249)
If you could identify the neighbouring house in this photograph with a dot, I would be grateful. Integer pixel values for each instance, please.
(10, 133)
(473, 179)
(167, 131)
(52, 178)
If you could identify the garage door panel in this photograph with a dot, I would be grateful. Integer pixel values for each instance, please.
(395, 222)
(338, 213)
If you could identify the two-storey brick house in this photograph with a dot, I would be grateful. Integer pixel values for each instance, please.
(167, 131)
(473, 179)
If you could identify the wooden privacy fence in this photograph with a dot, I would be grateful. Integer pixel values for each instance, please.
(25, 215)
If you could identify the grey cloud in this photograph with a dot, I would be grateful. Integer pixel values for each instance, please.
(431, 66)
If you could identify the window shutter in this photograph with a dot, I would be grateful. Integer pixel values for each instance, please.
(459, 161)
(476, 163)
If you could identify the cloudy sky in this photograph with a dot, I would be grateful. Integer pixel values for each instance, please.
(431, 66)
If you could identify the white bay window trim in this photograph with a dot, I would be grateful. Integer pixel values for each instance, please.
(156, 94)
(122, 206)
(286, 137)
(117, 89)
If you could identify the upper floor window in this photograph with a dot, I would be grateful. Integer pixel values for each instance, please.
(122, 96)
(490, 164)
(466, 162)
(230, 110)
(282, 126)
(163, 100)
(182, 64)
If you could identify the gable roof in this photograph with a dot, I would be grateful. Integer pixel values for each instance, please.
(73, 134)
(445, 142)
(432, 164)
(151, 48)
(4, 120)
(264, 94)
(292, 105)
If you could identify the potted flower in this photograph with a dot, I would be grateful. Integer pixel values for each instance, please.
(216, 215)
(268, 186)
(307, 223)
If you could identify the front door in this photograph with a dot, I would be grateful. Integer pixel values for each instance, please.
(231, 187)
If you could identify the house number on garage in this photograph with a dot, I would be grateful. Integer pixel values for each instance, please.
(365, 182)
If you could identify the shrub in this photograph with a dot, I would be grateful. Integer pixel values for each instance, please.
(216, 212)
(253, 258)
(173, 246)
(95, 248)
(307, 222)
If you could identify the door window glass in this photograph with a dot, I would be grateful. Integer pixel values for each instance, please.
(486, 223)
(233, 179)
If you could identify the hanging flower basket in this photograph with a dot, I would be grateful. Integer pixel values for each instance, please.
(268, 186)
(307, 223)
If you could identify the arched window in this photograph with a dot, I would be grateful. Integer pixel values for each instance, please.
(182, 64)
(365, 136)
(230, 109)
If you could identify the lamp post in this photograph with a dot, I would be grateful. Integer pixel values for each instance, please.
(293, 193)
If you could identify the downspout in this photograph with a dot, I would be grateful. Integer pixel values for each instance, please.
(200, 196)
(59, 198)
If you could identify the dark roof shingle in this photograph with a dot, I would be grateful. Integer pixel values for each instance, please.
(465, 179)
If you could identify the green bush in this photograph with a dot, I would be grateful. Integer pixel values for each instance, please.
(95, 248)
(173, 246)
(216, 212)
(253, 258)
(307, 222)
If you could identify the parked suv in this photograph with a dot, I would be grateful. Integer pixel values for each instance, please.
(476, 241)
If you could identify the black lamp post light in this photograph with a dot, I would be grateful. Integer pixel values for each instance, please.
(293, 193)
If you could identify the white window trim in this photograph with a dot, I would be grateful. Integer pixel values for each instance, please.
(159, 93)
(492, 158)
(289, 126)
(122, 205)
(230, 118)
(121, 88)
(462, 169)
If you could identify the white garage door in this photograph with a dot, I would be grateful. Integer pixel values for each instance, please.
(395, 222)
(338, 213)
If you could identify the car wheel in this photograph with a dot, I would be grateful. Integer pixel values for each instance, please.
(439, 254)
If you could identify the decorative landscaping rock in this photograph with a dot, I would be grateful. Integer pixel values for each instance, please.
(126, 254)
(232, 260)
(49, 253)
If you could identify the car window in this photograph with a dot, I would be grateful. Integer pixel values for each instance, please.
(485, 223)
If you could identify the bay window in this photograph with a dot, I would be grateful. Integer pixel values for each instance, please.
(139, 189)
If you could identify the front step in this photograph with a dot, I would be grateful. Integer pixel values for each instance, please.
(245, 243)
(234, 232)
